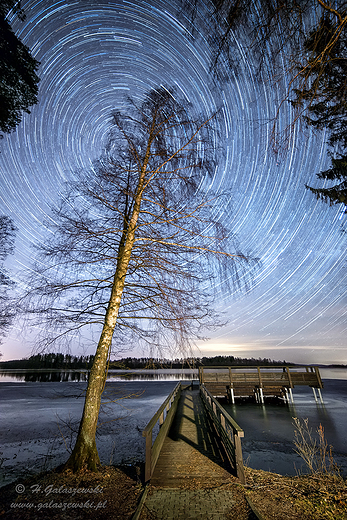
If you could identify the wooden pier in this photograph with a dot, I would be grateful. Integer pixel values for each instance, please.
(197, 441)
(259, 382)
(192, 436)
(193, 446)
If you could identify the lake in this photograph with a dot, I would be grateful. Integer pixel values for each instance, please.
(39, 419)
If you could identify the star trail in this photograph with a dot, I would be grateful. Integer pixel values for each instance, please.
(92, 55)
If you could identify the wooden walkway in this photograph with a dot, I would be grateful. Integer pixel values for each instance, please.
(192, 453)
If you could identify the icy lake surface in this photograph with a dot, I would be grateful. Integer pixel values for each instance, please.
(39, 421)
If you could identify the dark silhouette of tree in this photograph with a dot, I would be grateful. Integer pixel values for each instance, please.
(7, 236)
(135, 248)
(309, 38)
(18, 68)
(324, 95)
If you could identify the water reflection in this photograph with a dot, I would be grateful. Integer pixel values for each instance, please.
(43, 376)
(161, 374)
(56, 376)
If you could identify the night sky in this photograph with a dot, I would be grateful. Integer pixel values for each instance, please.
(93, 54)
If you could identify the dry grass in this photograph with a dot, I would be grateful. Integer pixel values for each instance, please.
(110, 493)
(304, 497)
(275, 497)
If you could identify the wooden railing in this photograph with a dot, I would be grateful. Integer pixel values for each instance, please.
(164, 416)
(260, 375)
(228, 430)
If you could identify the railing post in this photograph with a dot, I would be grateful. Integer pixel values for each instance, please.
(261, 395)
(230, 378)
(259, 377)
(240, 471)
(161, 418)
(201, 375)
(289, 378)
(316, 369)
(148, 465)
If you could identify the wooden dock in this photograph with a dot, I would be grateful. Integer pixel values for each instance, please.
(194, 461)
(193, 446)
(259, 382)
(192, 437)
(192, 452)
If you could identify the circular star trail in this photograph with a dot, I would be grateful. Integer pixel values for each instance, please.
(93, 55)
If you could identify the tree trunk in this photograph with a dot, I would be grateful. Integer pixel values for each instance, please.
(85, 453)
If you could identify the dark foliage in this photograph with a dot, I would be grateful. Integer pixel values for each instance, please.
(324, 93)
(53, 361)
(308, 40)
(60, 361)
(18, 68)
(133, 363)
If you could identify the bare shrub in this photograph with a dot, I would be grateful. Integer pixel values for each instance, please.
(314, 450)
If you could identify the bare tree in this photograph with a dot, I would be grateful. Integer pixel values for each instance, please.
(134, 247)
(7, 235)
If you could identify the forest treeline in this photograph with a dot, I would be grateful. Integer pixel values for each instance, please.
(58, 361)
(51, 361)
(132, 362)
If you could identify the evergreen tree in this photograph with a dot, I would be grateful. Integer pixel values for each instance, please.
(18, 73)
(324, 93)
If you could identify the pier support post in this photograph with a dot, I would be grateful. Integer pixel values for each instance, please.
(320, 396)
(314, 393)
(232, 395)
(261, 395)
